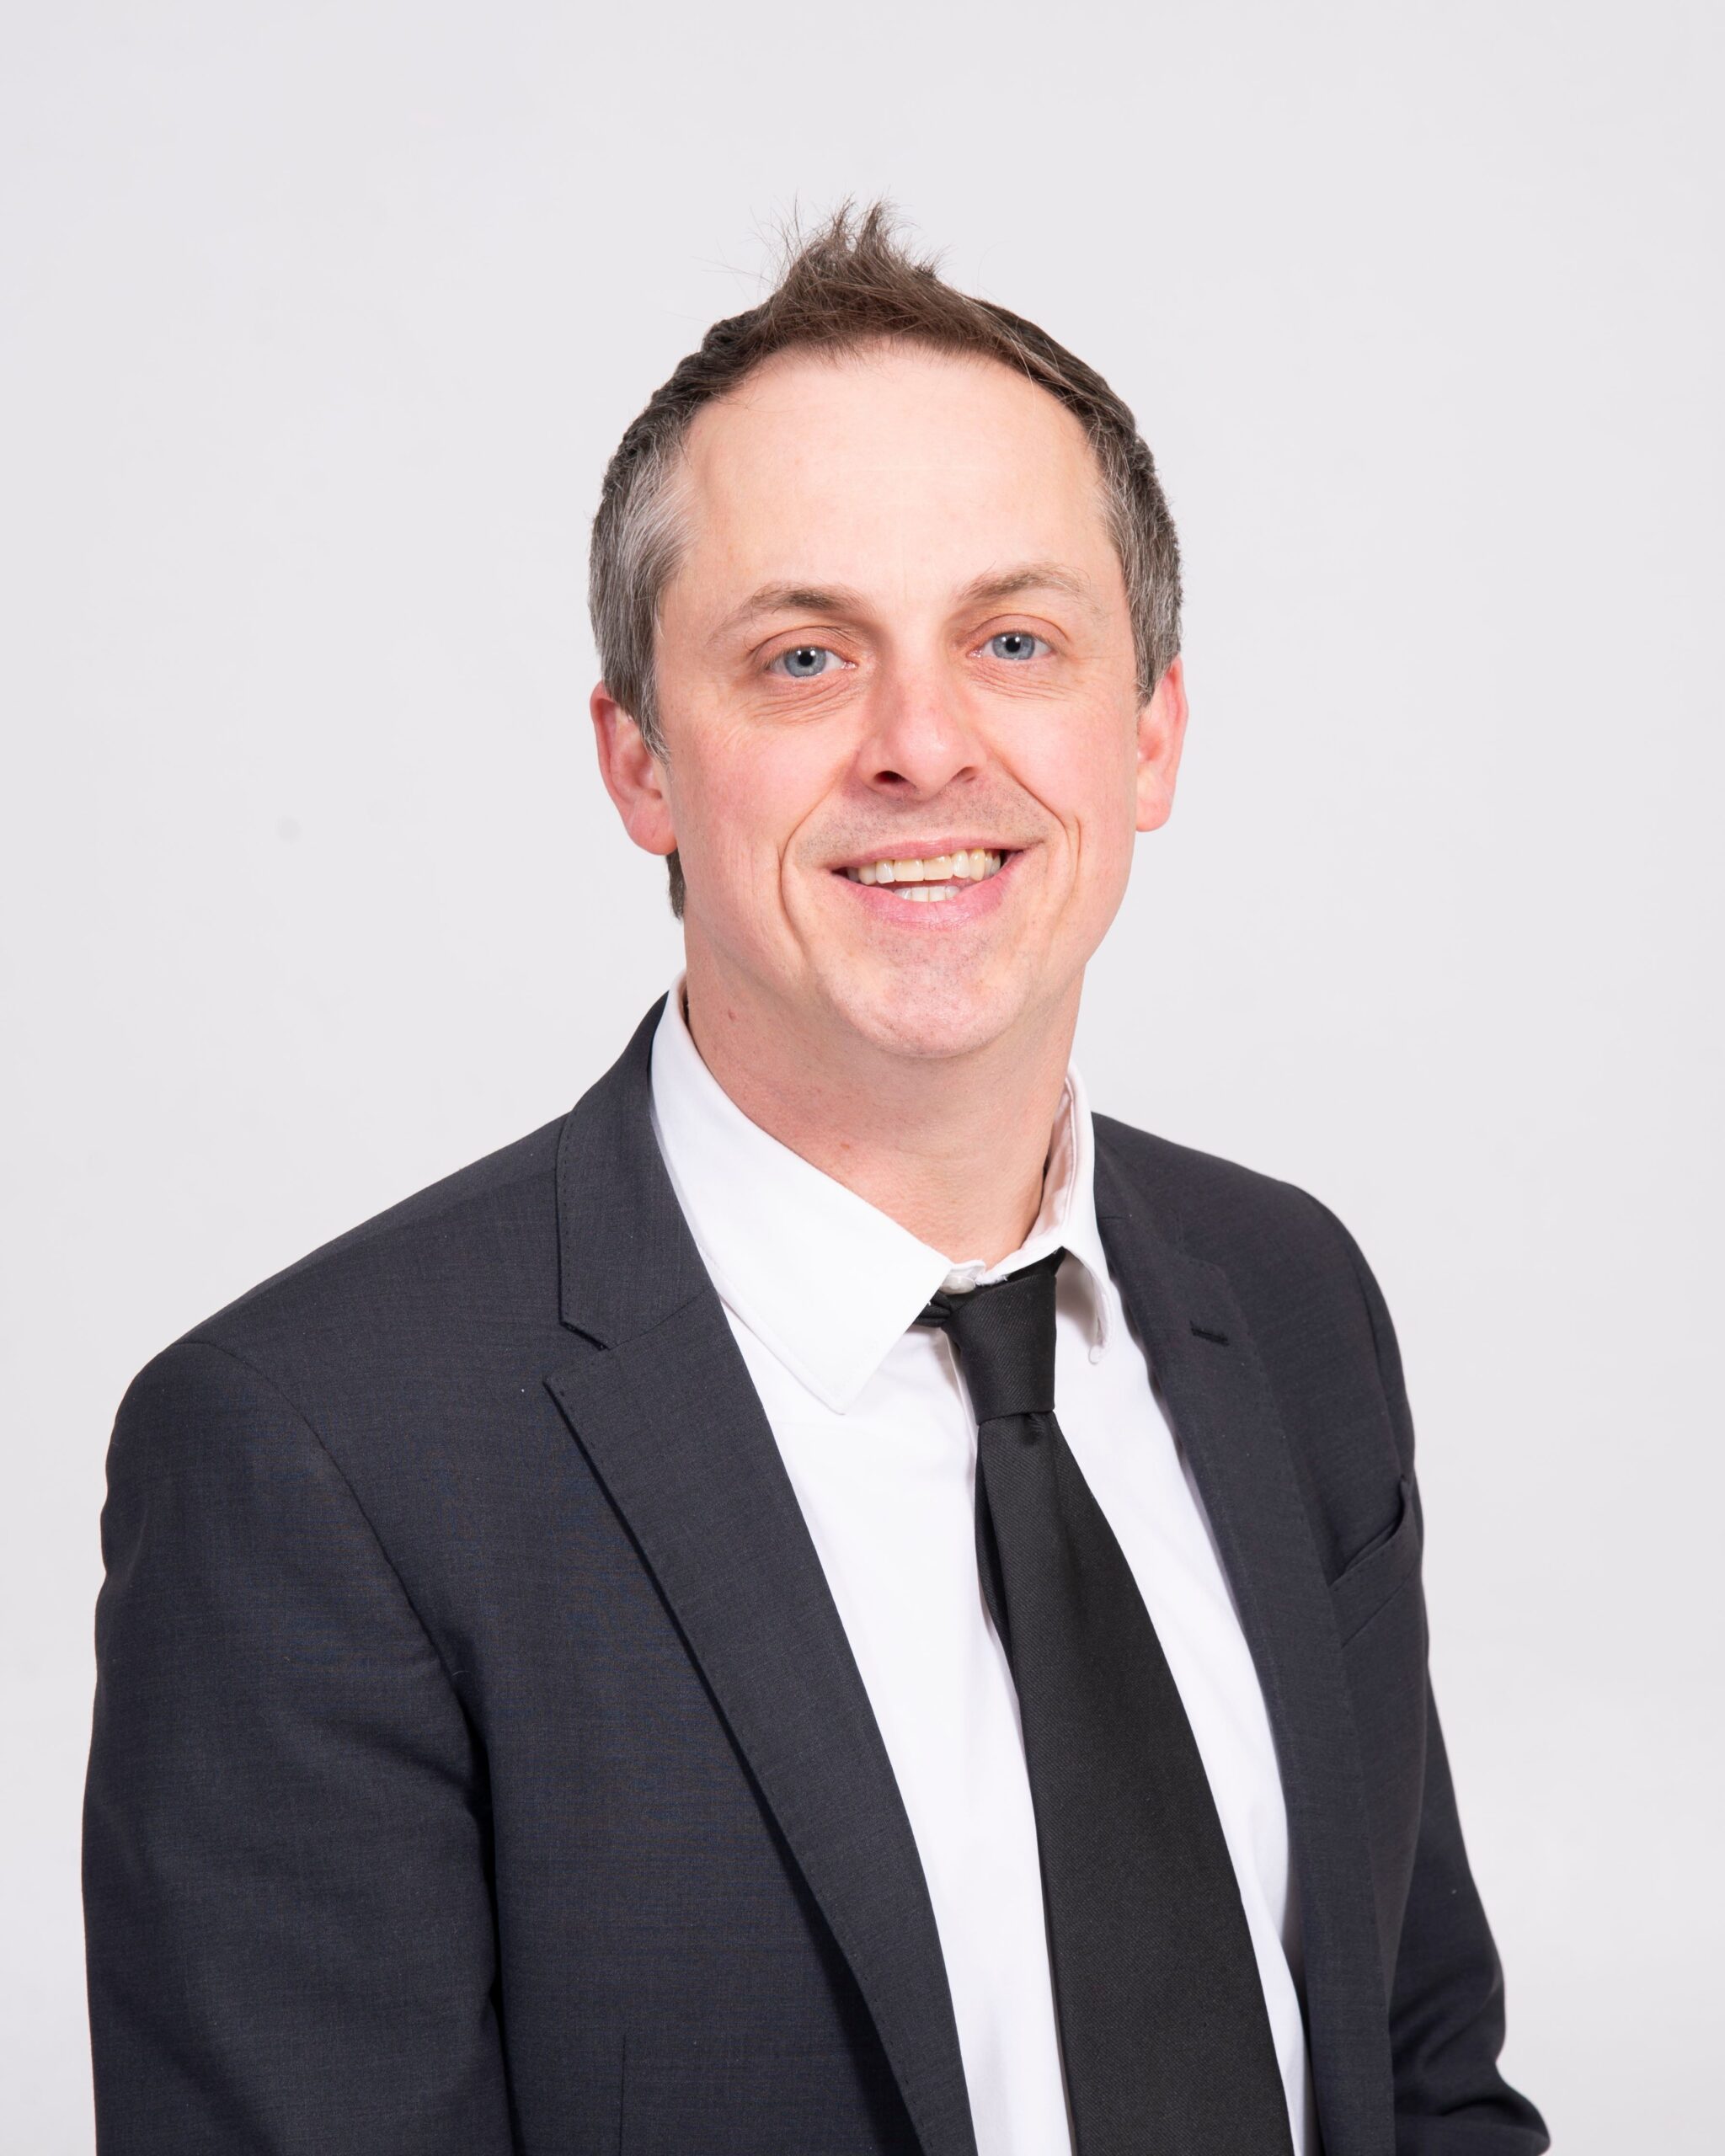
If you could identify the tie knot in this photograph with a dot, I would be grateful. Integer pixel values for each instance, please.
(1003, 1334)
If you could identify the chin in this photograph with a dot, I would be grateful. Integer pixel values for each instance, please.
(926, 1019)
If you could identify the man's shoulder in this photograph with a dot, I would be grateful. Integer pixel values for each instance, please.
(471, 1254)
(1212, 1208)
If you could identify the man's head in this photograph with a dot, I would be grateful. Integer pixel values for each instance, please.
(883, 574)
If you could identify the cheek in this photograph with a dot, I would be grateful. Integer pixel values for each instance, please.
(739, 796)
(1087, 779)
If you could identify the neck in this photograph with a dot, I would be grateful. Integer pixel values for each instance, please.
(952, 1148)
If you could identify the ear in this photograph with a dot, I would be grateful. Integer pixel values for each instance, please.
(634, 777)
(1162, 732)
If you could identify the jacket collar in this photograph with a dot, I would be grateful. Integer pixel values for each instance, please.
(626, 1261)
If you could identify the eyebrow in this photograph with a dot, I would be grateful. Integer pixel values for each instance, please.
(1033, 576)
(838, 599)
(791, 598)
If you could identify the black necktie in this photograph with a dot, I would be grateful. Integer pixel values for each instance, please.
(1165, 2037)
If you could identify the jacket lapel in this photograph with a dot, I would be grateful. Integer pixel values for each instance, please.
(1219, 1401)
(660, 1401)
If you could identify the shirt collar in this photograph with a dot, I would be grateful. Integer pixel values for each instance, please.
(824, 1280)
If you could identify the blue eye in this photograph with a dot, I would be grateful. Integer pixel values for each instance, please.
(1016, 644)
(805, 662)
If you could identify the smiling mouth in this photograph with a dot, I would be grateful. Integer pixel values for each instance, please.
(934, 878)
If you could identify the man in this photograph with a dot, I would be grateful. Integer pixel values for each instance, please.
(829, 1600)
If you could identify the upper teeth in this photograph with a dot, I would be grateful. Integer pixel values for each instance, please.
(936, 868)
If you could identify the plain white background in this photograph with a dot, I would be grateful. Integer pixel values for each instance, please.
(321, 322)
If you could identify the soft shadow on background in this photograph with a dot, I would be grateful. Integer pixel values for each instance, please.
(322, 322)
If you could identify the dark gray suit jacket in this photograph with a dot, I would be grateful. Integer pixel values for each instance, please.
(479, 1765)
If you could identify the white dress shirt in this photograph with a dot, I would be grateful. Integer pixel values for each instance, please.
(868, 1410)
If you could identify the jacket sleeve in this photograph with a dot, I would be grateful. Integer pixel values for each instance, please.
(1446, 1999)
(290, 1945)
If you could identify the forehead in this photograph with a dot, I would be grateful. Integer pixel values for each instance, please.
(885, 469)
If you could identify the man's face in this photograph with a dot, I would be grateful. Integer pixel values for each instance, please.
(898, 635)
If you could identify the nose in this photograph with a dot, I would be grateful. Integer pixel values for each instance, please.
(919, 738)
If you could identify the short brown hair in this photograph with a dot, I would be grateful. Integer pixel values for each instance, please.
(851, 285)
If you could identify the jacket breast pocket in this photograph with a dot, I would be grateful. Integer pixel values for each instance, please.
(1379, 1572)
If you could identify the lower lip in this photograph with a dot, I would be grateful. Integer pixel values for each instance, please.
(932, 916)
